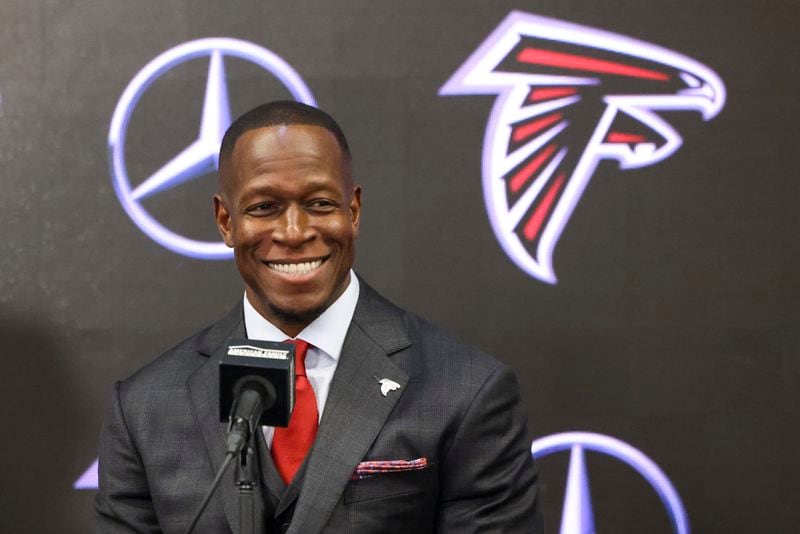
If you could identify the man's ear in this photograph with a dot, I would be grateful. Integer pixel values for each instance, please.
(355, 208)
(223, 218)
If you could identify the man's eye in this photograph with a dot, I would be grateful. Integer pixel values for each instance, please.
(261, 209)
(322, 204)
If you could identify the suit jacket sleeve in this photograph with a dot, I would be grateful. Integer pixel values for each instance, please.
(123, 504)
(488, 477)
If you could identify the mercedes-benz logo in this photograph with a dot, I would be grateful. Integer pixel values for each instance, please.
(200, 156)
(577, 516)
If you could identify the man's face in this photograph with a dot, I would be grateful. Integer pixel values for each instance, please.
(288, 208)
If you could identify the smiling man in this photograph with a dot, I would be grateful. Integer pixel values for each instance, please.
(397, 427)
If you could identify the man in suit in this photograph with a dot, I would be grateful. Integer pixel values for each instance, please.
(403, 428)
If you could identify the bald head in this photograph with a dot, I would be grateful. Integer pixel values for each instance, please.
(277, 113)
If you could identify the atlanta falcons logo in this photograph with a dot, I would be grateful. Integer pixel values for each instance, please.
(570, 96)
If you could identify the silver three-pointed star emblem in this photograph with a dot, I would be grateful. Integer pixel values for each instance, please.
(577, 516)
(199, 158)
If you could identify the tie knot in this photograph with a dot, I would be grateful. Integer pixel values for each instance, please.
(300, 349)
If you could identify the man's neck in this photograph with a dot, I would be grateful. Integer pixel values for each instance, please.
(326, 331)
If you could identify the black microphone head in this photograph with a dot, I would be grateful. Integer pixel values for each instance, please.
(263, 366)
(261, 385)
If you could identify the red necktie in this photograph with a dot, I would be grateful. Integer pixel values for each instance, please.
(291, 444)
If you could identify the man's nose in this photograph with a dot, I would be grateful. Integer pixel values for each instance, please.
(293, 227)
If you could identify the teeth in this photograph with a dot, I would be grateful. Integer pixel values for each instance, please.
(295, 268)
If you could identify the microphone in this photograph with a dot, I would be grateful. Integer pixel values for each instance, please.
(256, 387)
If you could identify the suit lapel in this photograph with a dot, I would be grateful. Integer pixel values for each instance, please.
(355, 410)
(203, 387)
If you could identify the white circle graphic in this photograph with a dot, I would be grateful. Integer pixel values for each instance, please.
(220, 46)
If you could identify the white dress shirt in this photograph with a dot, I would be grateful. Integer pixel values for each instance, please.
(325, 335)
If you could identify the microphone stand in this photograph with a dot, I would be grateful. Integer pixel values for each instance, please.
(245, 478)
(251, 402)
(240, 431)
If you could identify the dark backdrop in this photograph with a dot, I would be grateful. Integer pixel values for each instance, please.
(672, 326)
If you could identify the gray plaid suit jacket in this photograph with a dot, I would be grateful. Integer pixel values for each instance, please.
(459, 408)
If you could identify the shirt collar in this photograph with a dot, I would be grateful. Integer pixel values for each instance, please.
(326, 332)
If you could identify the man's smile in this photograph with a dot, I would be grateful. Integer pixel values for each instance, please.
(296, 267)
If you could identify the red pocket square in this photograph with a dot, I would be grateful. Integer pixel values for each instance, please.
(376, 467)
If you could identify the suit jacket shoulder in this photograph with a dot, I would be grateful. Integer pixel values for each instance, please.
(162, 441)
(430, 353)
(172, 367)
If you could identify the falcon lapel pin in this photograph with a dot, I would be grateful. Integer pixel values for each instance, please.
(388, 385)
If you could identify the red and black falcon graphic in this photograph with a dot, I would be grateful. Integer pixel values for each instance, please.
(570, 96)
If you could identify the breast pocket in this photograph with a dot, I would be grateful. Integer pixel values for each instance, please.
(389, 485)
